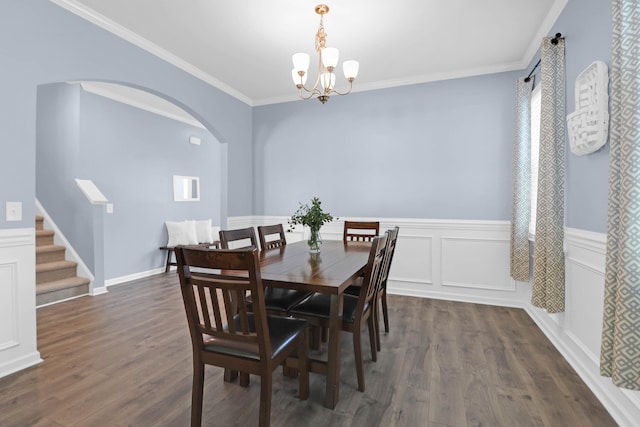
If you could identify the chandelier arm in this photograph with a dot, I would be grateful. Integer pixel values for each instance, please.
(315, 88)
(344, 93)
(311, 94)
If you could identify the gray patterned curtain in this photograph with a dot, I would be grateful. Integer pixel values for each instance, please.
(548, 259)
(521, 204)
(620, 352)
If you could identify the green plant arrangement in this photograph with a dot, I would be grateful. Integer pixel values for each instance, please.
(313, 217)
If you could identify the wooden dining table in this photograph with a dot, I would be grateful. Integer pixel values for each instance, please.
(331, 271)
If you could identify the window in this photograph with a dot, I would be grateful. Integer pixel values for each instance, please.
(535, 151)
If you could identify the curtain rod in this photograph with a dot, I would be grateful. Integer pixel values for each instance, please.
(554, 41)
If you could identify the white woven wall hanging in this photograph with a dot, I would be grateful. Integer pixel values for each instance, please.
(588, 125)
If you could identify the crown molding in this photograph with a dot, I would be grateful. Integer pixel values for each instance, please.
(133, 38)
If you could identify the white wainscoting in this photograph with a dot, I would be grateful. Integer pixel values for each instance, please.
(469, 261)
(18, 348)
(577, 333)
(445, 259)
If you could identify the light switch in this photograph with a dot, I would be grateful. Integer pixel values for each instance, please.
(14, 211)
(109, 208)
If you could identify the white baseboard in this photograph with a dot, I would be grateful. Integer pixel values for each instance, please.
(19, 364)
(124, 279)
(578, 344)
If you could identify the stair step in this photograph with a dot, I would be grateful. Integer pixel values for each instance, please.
(44, 237)
(57, 270)
(61, 289)
(39, 222)
(49, 253)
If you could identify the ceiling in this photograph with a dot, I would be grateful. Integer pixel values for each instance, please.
(244, 47)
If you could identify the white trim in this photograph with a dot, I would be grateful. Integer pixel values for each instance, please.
(19, 364)
(543, 30)
(65, 299)
(101, 21)
(611, 397)
(17, 308)
(468, 297)
(593, 268)
(17, 237)
(121, 93)
(131, 277)
(593, 241)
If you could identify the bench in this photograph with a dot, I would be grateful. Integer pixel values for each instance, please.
(171, 250)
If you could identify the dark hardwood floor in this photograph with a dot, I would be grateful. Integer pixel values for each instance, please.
(124, 359)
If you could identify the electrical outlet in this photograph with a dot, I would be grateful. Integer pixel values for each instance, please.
(109, 208)
(14, 211)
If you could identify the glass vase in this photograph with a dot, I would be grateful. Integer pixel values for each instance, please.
(314, 241)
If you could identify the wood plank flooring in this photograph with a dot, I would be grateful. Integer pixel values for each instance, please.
(124, 359)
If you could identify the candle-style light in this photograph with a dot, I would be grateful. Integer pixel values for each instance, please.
(324, 85)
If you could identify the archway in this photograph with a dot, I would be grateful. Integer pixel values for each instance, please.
(116, 136)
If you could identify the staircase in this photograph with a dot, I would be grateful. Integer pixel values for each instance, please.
(56, 278)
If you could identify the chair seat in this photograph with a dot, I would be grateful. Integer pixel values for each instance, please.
(318, 305)
(276, 299)
(283, 299)
(282, 330)
(355, 288)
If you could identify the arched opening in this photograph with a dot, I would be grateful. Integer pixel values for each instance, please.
(130, 142)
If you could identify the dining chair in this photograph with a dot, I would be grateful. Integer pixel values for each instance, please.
(265, 233)
(360, 231)
(247, 237)
(356, 310)
(381, 292)
(278, 300)
(225, 334)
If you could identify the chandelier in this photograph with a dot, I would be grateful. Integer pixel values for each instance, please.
(328, 59)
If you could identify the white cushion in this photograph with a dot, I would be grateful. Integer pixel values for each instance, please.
(204, 233)
(181, 233)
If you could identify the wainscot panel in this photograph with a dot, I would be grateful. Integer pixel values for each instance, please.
(18, 348)
(577, 333)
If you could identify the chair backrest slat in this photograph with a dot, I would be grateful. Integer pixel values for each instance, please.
(265, 231)
(246, 235)
(214, 295)
(392, 238)
(360, 231)
(372, 273)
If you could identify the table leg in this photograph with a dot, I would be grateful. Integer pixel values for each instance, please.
(333, 362)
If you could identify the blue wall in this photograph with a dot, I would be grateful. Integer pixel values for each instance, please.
(435, 150)
(587, 27)
(131, 155)
(42, 43)
(439, 150)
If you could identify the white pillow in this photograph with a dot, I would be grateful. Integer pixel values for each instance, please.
(204, 232)
(181, 233)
